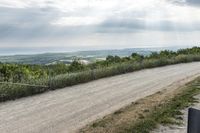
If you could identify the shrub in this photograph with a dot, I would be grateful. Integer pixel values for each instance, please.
(11, 91)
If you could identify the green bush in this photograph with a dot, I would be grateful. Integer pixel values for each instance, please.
(12, 91)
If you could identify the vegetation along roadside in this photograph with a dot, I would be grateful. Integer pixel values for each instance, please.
(45, 78)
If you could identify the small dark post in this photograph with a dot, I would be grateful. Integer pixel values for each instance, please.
(193, 121)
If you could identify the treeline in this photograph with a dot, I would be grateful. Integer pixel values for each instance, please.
(61, 75)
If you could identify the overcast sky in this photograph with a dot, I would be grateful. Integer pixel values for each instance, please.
(98, 24)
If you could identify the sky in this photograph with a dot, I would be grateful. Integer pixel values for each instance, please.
(70, 25)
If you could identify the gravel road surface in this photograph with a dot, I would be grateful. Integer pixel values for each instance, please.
(68, 109)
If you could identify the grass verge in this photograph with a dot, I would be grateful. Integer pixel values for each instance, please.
(146, 114)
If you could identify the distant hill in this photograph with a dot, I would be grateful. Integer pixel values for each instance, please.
(86, 56)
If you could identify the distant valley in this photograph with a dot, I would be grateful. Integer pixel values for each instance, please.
(84, 56)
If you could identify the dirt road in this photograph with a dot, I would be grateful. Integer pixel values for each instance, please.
(69, 109)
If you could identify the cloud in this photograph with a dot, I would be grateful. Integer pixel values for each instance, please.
(67, 21)
(139, 25)
(187, 2)
(193, 2)
(26, 22)
(78, 21)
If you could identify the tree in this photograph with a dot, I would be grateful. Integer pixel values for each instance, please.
(76, 66)
(167, 53)
(154, 55)
(137, 57)
(113, 59)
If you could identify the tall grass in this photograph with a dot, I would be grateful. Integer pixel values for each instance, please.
(86, 76)
(10, 92)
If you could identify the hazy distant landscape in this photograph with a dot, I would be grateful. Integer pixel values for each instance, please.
(85, 56)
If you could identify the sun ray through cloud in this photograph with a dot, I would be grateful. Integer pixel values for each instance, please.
(69, 23)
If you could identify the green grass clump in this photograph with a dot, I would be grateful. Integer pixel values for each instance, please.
(168, 113)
